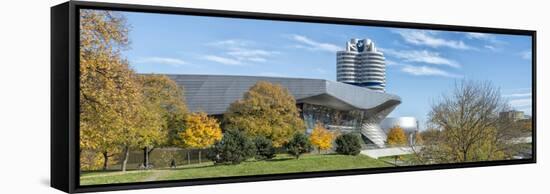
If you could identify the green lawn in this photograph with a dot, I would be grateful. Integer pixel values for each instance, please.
(281, 164)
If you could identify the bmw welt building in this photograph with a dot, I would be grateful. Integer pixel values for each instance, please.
(337, 105)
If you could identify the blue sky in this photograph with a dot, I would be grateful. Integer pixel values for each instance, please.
(421, 64)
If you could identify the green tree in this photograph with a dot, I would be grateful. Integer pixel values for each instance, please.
(348, 144)
(264, 148)
(298, 145)
(396, 136)
(233, 148)
(267, 110)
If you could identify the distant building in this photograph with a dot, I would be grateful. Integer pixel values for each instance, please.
(513, 114)
(409, 124)
(361, 64)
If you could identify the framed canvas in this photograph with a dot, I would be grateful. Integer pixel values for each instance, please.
(150, 96)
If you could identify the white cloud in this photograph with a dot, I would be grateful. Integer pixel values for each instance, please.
(520, 98)
(428, 38)
(246, 54)
(517, 90)
(162, 60)
(239, 52)
(427, 71)
(518, 103)
(321, 71)
(526, 54)
(391, 63)
(485, 37)
(516, 95)
(490, 47)
(477, 35)
(493, 42)
(310, 44)
(230, 43)
(223, 60)
(422, 56)
(257, 59)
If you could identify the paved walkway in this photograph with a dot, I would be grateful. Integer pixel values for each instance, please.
(384, 152)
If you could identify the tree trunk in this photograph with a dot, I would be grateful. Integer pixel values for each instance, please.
(145, 157)
(465, 155)
(188, 158)
(126, 156)
(146, 153)
(105, 160)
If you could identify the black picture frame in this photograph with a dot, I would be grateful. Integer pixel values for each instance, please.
(65, 90)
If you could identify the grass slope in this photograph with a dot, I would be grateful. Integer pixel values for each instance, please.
(280, 164)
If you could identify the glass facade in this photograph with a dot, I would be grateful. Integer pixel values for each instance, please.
(332, 119)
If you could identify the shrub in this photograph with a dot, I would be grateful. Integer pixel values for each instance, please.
(298, 145)
(348, 144)
(234, 148)
(264, 148)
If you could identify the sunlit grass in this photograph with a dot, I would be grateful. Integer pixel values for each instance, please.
(281, 164)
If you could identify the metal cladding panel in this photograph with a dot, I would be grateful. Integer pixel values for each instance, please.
(214, 93)
(359, 97)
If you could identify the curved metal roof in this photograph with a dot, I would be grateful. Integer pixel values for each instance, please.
(214, 93)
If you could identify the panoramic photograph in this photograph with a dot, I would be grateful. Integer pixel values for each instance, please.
(168, 97)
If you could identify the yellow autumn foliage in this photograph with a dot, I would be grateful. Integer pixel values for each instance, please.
(201, 131)
(321, 137)
(108, 94)
(396, 136)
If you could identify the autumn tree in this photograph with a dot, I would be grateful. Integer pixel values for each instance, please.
(396, 136)
(103, 76)
(418, 139)
(267, 110)
(468, 126)
(321, 137)
(200, 132)
(143, 127)
(165, 98)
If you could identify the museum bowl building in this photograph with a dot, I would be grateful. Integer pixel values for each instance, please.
(408, 124)
(339, 106)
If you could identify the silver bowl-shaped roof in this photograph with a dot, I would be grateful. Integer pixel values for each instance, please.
(409, 124)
